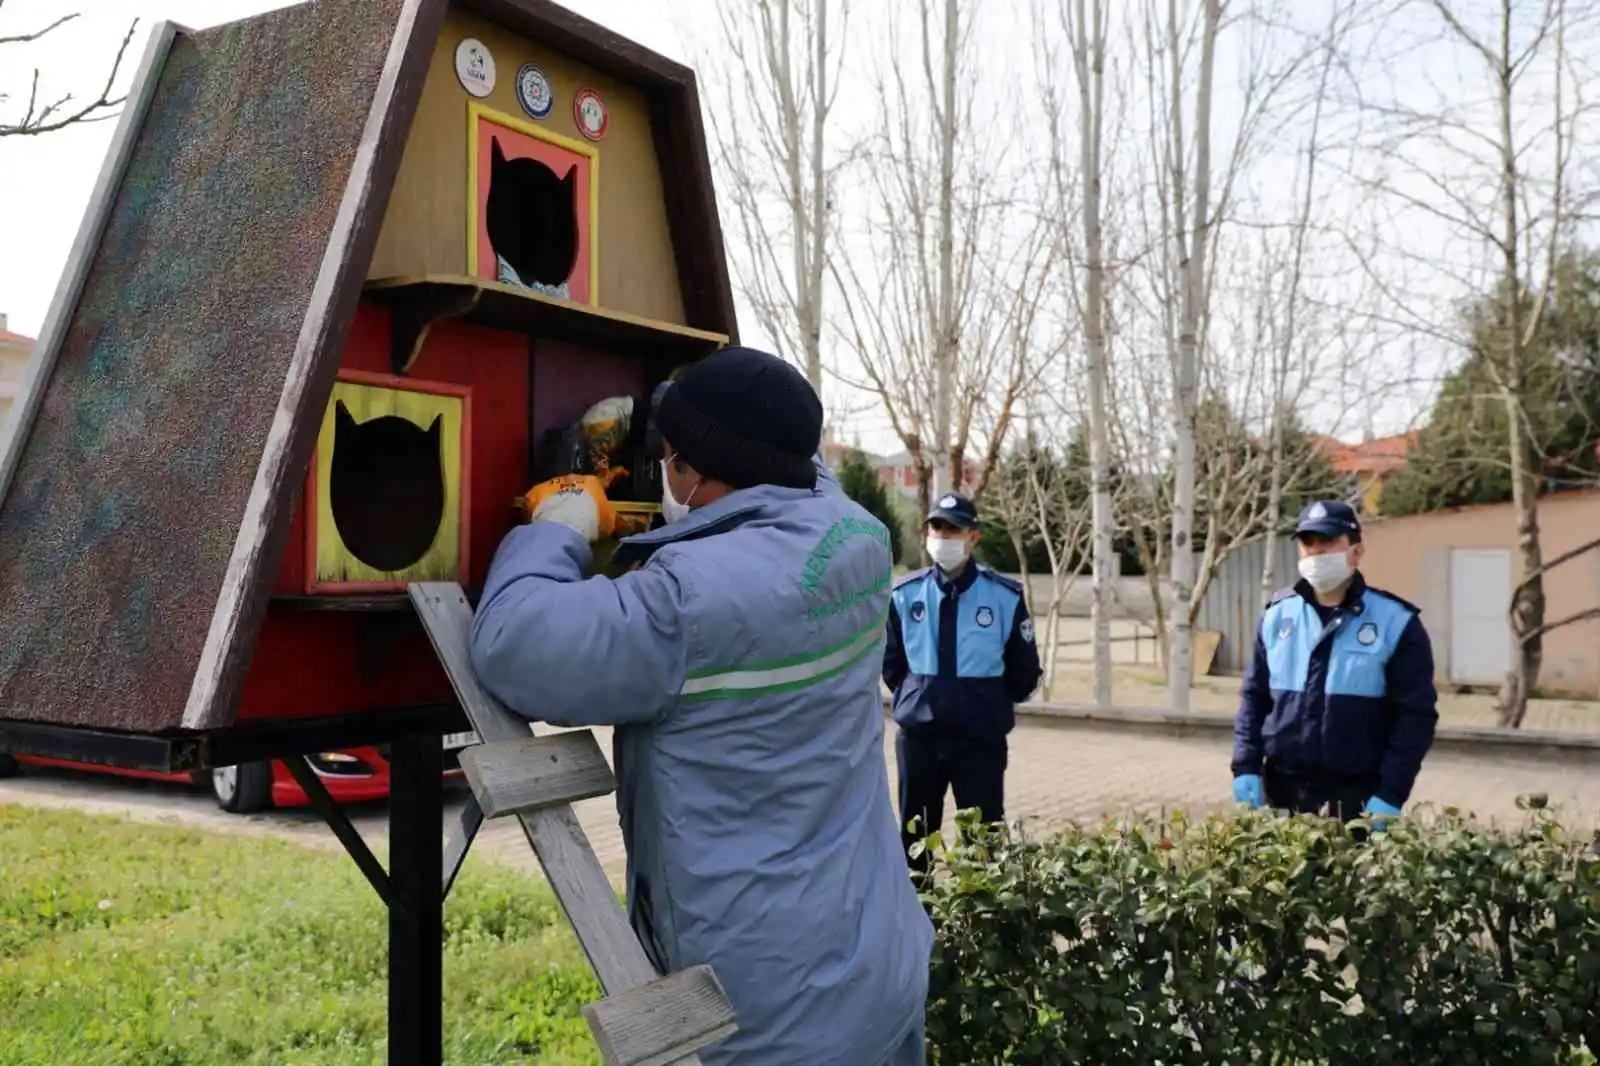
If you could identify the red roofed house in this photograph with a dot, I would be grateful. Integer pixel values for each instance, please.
(1371, 463)
(14, 352)
(898, 472)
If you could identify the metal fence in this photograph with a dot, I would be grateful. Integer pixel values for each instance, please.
(1234, 600)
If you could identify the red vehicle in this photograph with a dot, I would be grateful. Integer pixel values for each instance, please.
(351, 775)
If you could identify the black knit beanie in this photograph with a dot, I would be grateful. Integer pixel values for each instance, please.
(746, 418)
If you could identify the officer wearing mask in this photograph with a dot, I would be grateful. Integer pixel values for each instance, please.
(739, 663)
(1338, 708)
(961, 656)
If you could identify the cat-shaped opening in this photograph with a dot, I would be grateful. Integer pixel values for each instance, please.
(532, 218)
(386, 487)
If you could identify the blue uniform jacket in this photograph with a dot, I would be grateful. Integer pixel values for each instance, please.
(739, 664)
(1350, 698)
(961, 653)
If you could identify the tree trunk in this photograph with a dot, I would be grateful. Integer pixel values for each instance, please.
(812, 298)
(1527, 603)
(946, 324)
(1191, 275)
(1090, 48)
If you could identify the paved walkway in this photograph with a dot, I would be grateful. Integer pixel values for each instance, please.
(1058, 774)
(1142, 688)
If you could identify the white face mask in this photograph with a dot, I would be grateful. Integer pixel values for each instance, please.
(1326, 572)
(947, 555)
(671, 509)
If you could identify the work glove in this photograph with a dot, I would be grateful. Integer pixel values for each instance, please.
(1247, 789)
(577, 501)
(1380, 812)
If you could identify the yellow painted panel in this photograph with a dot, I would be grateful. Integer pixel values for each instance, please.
(442, 561)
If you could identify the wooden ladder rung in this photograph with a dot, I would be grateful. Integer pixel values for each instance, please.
(663, 1021)
(516, 776)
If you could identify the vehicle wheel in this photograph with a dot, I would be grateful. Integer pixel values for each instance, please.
(243, 789)
(8, 765)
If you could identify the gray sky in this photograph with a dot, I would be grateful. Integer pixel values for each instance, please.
(45, 181)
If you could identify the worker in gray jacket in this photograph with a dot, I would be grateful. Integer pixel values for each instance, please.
(739, 663)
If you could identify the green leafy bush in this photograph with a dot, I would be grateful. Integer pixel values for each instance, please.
(1267, 940)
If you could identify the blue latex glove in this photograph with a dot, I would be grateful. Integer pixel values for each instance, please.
(1380, 813)
(1247, 789)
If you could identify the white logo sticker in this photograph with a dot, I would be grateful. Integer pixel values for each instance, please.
(1317, 512)
(949, 503)
(1367, 634)
(985, 617)
(475, 67)
(1026, 629)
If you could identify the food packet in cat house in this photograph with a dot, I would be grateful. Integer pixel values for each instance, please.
(592, 446)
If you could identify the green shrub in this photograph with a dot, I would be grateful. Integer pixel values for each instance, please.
(1266, 940)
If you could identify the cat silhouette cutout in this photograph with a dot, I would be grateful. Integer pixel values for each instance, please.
(386, 487)
(532, 219)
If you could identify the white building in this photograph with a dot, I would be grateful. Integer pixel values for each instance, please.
(14, 352)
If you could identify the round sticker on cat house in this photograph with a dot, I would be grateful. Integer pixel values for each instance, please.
(531, 217)
(475, 67)
(589, 112)
(534, 92)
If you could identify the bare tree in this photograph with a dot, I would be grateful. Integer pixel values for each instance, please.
(948, 270)
(50, 112)
(1191, 230)
(1497, 174)
(777, 66)
(1083, 25)
(1041, 500)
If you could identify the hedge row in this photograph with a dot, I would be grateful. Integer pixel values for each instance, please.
(1259, 939)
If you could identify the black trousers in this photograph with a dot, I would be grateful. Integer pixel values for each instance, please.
(932, 763)
(1311, 793)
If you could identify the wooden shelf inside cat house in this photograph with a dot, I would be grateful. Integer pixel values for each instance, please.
(416, 303)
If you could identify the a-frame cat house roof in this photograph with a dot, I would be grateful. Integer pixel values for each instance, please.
(195, 337)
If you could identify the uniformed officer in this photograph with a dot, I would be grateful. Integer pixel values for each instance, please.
(1338, 708)
(960, 657)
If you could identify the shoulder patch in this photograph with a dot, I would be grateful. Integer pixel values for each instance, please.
(1282, 594)
(1407, 604)
(914, 576)
(1001, 580)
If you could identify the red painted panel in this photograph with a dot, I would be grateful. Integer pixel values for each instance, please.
(494, 364)
(305, 666)
(305, 661)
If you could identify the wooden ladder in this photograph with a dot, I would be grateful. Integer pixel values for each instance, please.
(646, 1019)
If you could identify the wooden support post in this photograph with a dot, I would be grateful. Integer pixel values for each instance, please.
(416, 906)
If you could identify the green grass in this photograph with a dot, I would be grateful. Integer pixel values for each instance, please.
(154, 946)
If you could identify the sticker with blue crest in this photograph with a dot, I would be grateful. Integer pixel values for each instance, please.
(534, 92)
(1285, 626)
(919, 610)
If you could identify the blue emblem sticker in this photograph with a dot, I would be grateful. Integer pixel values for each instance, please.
(985, 617)
(1285, 626)
(1367, 634)
(919, 610)
(534, 92)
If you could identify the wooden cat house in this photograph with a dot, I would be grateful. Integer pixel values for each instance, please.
(348, 273)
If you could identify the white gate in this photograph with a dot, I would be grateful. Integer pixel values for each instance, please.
(1480, 626)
